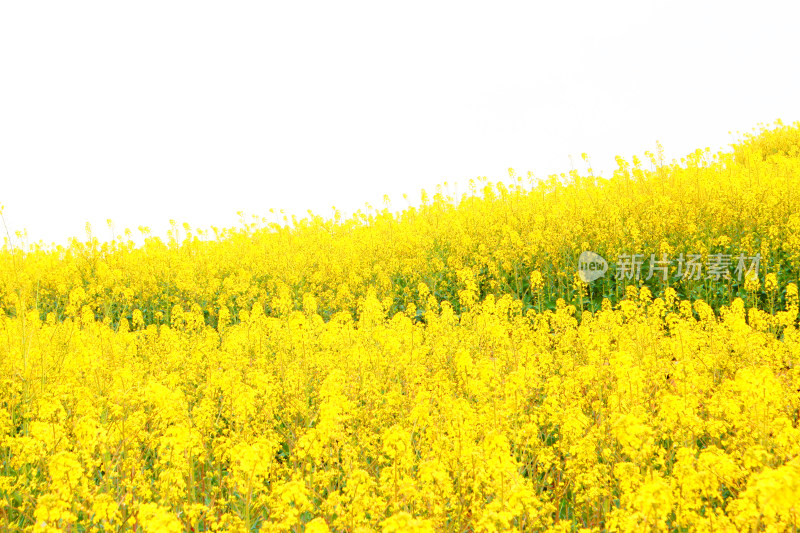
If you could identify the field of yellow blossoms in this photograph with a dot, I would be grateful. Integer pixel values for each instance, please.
(446, 368)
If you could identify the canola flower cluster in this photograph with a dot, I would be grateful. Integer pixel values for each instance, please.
(444, 369)
(517, 239)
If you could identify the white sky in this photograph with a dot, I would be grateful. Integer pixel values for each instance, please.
(151, 110)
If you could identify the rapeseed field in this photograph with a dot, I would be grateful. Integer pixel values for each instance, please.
(571, 354)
